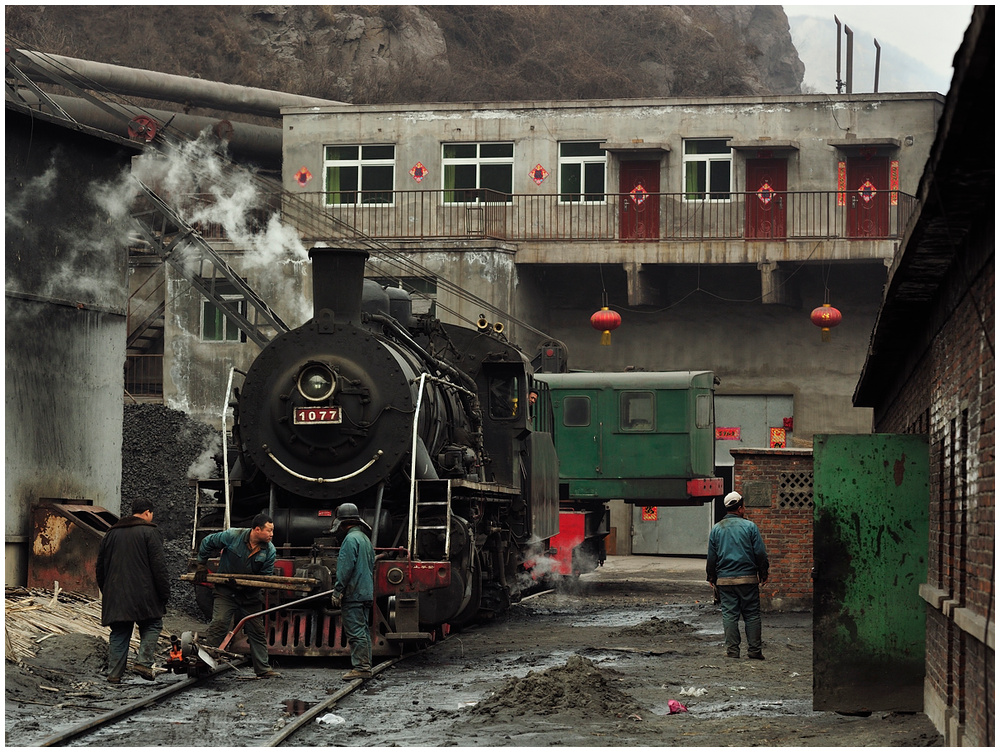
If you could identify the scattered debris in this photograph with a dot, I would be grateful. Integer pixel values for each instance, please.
(693, 691)
(676, 707)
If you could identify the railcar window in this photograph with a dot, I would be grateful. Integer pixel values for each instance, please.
(704, 412)
(576, 411)
(638, 411)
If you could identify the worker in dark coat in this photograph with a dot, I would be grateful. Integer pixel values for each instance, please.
(354, 590)
(737, 566)
(241, 550)
(132, 576)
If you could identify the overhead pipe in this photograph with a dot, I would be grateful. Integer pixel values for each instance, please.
(168, 87)
(259, 142)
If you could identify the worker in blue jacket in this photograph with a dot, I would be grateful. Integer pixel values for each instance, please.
(355, 587)
(243, 551)
(737, 565)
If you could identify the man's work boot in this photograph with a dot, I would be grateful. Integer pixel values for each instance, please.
(357, 673)
(756, 656)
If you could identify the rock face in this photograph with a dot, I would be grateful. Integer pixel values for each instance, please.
(392, 53)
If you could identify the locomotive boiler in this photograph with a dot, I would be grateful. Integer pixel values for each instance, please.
(425, 427)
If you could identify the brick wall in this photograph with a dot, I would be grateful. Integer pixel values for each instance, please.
(777, 491)
(948, 393)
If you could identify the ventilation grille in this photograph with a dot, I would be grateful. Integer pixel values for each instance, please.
(795, 491)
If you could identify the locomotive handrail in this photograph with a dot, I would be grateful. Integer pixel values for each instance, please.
(300, 476)
(413, 467)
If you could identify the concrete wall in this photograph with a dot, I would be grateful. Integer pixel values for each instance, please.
(65, 327)
(807, 121)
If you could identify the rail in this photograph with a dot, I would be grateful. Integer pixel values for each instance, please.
(144, 376)
(626, 217)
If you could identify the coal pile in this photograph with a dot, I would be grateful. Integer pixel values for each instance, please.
(579, 686)
(162, 450)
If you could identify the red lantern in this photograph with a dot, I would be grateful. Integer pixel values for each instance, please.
(826, 317)
(606, 321)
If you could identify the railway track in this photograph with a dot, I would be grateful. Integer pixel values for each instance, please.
(118, 727)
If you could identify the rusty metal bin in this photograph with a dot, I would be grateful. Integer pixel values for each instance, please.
(65, 536)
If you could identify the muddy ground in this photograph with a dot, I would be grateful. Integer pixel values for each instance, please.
(595, 665)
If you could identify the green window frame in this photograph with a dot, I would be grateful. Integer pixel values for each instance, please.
(216, 326)
(477, 172)
(359, 174)
(582, 172)
(708, 169)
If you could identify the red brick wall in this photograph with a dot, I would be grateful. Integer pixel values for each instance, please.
(777, 490)
(947, 392)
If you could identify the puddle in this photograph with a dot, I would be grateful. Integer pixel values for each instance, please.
(297, 707)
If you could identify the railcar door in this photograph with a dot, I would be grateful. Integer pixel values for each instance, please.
(871, 501)
(639, 200)
(580, 428)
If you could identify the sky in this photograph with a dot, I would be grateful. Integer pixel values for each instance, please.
(929, 33)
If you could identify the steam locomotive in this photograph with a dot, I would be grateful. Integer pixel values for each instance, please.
(425, 427)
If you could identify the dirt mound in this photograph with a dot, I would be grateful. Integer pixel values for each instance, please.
(656, 627)
(577, 686)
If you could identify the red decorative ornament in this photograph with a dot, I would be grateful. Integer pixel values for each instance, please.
(826, 317)
(606, 321)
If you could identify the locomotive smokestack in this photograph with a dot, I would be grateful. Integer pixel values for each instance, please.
(338, 278)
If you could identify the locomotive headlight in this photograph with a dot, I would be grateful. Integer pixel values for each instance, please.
(317, 382)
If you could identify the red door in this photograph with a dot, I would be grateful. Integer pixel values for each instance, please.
(868, 197)
(766, 202)
(639, 202)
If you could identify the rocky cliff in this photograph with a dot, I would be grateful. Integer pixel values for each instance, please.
(390, 53)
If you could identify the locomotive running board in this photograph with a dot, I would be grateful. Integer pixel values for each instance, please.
(400, 636)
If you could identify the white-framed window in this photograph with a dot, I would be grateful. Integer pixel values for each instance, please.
(359, 174)
(477, 172)
(216, 326)
(582, 169)
(708, 169)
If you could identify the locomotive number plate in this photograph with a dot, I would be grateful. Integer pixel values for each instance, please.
(316, 415)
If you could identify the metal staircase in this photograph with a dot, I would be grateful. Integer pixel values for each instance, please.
(180, 245)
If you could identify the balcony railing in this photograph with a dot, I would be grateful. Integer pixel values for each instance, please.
(778, 216)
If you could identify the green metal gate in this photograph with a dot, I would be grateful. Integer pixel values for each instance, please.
(870, 557)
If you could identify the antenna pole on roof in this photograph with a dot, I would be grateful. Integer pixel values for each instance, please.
(840, 83)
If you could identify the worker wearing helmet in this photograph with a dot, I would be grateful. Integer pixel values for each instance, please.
(737, 565)
(354, 590)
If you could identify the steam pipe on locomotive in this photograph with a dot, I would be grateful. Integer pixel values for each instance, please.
(370, 404)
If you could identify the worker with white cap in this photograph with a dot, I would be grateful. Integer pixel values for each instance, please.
(737, 565)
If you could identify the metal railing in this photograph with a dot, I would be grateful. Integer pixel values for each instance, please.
(144, 376)
(788, 215)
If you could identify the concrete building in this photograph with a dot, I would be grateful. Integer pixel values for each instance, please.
(66, 290)
(713, 226)
(930, 371)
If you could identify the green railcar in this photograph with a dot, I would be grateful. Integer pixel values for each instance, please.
(645, 437)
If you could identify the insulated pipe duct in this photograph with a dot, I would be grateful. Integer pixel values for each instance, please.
(257, 142)
(164, 86)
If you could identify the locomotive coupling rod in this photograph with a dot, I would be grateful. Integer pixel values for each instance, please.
(225, 643)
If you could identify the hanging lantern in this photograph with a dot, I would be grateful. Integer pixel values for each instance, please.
(826, 317)
(606, 321)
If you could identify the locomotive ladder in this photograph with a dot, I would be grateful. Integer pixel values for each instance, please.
(433, 499)
(179, 244)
